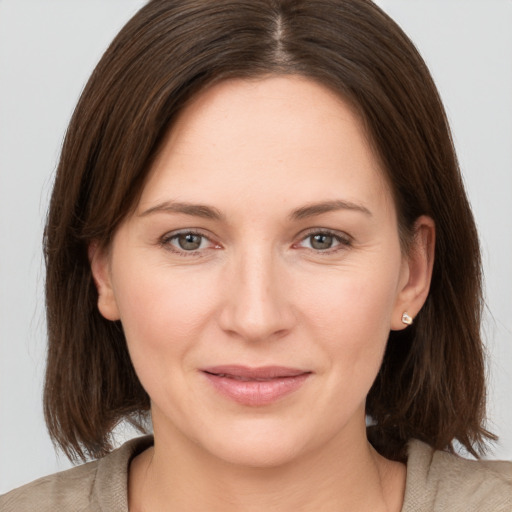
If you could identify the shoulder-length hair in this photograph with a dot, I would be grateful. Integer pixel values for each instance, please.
(431, 385)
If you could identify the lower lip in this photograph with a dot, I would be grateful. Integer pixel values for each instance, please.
(254, 392)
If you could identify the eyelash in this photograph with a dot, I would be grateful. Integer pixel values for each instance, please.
(343, 241)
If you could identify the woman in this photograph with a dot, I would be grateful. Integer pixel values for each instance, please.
(259, 235)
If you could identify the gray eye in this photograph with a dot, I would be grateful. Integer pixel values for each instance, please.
(189, 241)
(321, 241)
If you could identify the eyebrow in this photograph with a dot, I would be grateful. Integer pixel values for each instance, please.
(313, 209)
(196, 210)
(209, 212)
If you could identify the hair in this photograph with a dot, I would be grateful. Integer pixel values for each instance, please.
(431, 385)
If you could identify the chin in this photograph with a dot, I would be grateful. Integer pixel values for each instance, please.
(256, 452)
(263, 443)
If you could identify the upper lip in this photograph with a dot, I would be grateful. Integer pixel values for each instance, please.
(250, 373)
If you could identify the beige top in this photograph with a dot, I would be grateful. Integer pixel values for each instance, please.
(436, 482)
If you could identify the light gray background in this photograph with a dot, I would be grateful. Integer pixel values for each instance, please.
(48, 49)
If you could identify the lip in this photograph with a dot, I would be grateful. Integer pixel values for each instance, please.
(255, 386)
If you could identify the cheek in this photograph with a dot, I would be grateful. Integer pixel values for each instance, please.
(349, 315)
(352, 300)
(162, 312)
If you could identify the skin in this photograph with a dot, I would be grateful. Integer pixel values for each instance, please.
(259, 290)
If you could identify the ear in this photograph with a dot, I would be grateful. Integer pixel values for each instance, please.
(99, 259)
(416, 272)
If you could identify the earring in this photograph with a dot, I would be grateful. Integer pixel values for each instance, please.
(406, 319)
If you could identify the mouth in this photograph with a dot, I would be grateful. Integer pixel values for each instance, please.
(255, 386)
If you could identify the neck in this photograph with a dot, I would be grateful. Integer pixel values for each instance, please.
(347, 476)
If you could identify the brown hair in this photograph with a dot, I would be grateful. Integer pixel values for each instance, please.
(431, 385)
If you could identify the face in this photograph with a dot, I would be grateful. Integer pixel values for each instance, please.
(259, 277)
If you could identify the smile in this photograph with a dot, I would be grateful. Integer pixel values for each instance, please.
(255, 386)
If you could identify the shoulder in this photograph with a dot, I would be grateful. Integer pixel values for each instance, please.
(97, 485)
(439, 481)
(68, 490)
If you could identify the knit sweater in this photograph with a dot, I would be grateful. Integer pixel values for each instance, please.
(436, 482)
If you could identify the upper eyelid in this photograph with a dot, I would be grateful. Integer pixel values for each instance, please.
(304, 233)
(185, 231)
(325, 231)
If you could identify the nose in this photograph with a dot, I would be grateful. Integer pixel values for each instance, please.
(256, 304)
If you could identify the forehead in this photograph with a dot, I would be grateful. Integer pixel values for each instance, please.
(241, 138)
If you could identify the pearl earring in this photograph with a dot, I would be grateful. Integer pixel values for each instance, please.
(406, 319)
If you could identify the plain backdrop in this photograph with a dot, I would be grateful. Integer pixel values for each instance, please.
(48, 48)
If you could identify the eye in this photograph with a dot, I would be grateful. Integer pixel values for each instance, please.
(324, 241)
(187, 241)
(321, 241)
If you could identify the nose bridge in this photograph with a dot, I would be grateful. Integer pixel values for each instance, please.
(256, 306)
